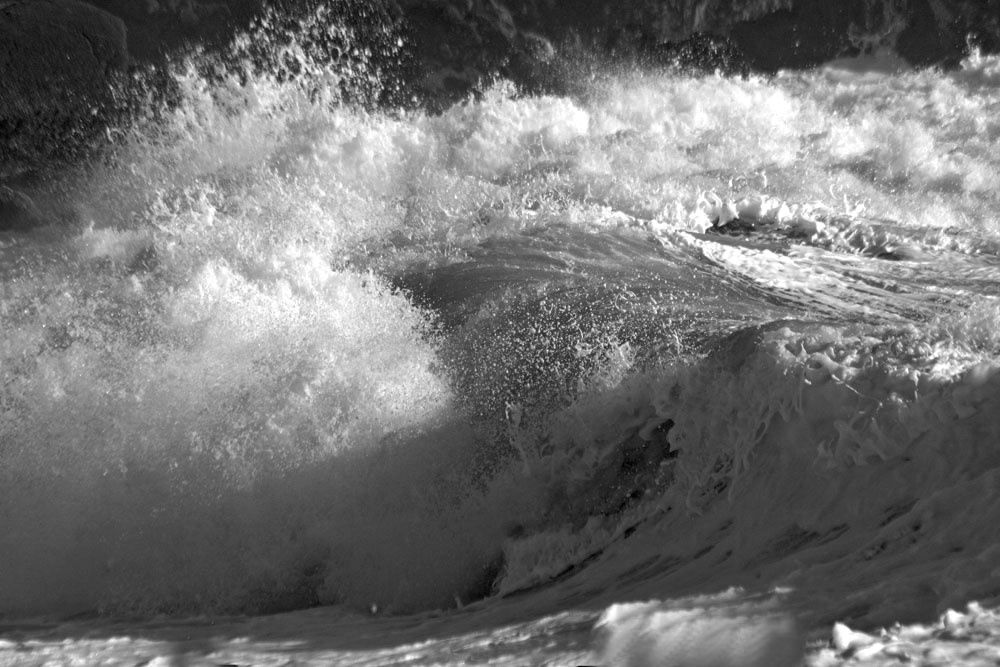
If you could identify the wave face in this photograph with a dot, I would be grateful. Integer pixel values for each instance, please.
(661, 332)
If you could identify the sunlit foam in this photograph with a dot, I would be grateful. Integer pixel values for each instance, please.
(213, 401)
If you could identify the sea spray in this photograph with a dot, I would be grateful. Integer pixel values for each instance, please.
(272, 351)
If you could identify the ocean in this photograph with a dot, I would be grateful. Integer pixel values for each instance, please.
(290, 378)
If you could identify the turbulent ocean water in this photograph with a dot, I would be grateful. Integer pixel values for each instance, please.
(459, 381)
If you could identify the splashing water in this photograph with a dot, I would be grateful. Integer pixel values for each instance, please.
(282, 347)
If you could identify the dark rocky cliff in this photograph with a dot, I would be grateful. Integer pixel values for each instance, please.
(56, 60)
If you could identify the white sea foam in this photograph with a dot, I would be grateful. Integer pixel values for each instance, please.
(214, 400)
(653, 633)
(858, 424)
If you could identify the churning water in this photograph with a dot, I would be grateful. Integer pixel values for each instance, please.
(658, 334)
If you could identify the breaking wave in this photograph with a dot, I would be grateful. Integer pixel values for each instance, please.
(279, 346)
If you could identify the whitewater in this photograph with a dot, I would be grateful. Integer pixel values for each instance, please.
(656, 367)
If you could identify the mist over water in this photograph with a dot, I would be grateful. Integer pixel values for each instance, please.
(282, 347)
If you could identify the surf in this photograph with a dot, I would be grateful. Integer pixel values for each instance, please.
(652, 333)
